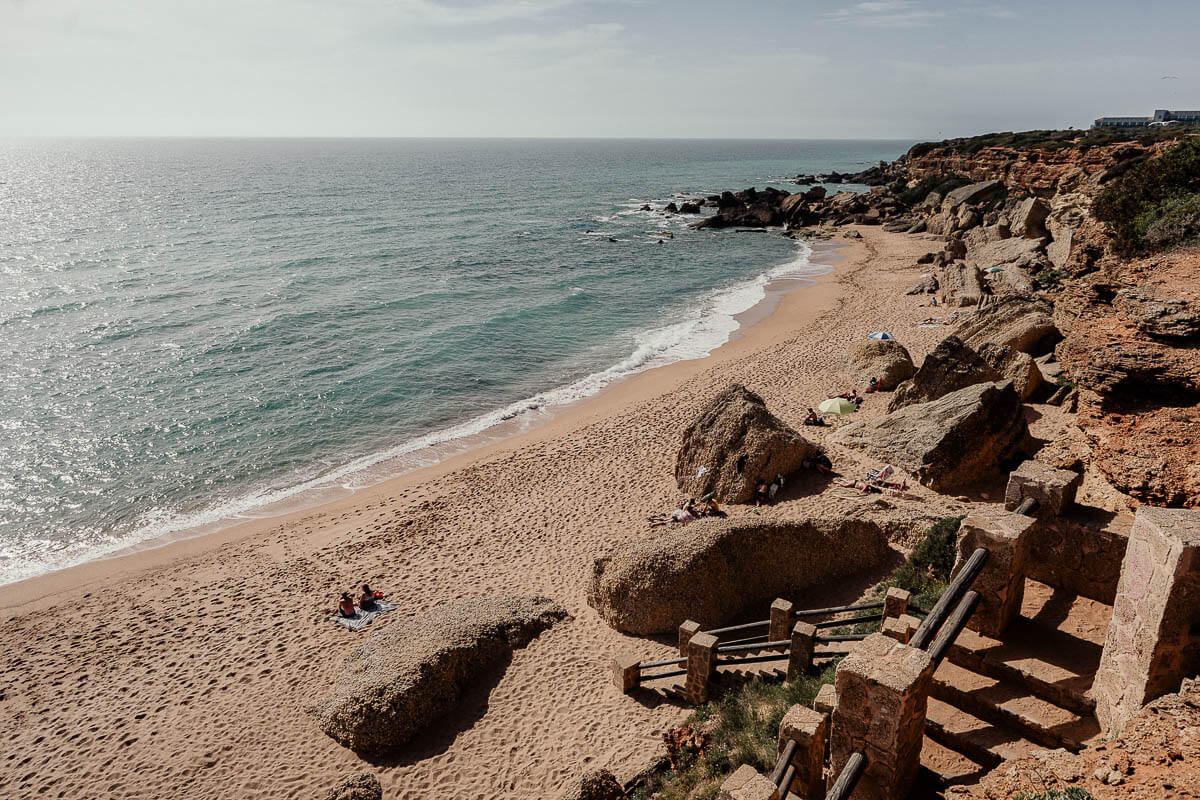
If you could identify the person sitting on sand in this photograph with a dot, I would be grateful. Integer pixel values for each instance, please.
(819, 462)
(762, 494)
(873, 386)
(346, 606)
(367, 601)
(813, 419)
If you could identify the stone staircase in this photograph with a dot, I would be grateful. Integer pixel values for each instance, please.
(996, 699)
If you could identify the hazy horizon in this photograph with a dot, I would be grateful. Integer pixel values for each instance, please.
(604, 69)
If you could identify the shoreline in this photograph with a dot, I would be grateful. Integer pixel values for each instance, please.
(507, 436)
(154, 665)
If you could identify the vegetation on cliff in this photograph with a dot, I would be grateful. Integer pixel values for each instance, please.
(1156, 205)
(1049, 140)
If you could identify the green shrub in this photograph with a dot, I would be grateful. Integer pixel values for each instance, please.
(1050, 278)
(1073, 793)
(1049, 140)
(746, 732)
(1155, 205)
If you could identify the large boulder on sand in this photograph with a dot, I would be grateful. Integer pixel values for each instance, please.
(885, 359)
(1023, 323)
(1013, 365)
(597, 784)
(740, 444)
(949, 367)
(358, 786)
(949, 444)
(713, 569)
(410, 673)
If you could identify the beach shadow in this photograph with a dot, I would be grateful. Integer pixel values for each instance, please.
(805, 483)
(438, 737)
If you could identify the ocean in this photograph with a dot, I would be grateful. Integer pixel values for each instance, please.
(194, 332)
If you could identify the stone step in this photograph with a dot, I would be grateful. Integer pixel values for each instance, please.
(1052, 650)
(965, 733)
(1009, 705)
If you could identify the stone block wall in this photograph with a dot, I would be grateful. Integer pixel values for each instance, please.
(1081, 552)
(1152, 641)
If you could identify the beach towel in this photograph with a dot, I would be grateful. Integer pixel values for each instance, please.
(364, 618)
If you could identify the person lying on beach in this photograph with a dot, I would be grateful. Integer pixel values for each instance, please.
(346, 606)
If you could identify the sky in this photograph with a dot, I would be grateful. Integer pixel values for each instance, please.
(903, 69)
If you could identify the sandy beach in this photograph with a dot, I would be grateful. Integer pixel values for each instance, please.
(184, 671)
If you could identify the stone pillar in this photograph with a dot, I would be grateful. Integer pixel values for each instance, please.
(809, 729)
(1001, 584)
(1054, 489)
(895, 602)
(825, 700)
(901, 628)
(701, 664)
(686, 631)
(800, 655)
(747, 783)
(882, 691)
(627, 673)
(1152, 641)
(781, 621)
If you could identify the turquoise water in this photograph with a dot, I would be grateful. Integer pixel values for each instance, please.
(194, 330)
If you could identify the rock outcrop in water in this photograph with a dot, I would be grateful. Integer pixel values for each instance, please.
(412, 672)
(736, 444)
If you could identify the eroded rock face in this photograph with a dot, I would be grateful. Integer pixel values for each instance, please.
(974, 193)
(1022, 323)
(1013, 365)
(961, 284)
(1028, 219)
(740, 444)
(412, 672)
(1015, 253)
(949, 444)
(713, 569)
(359, 786)
(1175, 319)
(887, 360)
(949, 367)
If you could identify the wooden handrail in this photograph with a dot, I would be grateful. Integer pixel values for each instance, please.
(954, 592)
(843, 787)
(953, 627)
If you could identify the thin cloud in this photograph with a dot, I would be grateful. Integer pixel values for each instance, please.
(886, 14)
(427, 12)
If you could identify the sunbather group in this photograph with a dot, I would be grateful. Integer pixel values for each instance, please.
(366, 602)
(878, 480)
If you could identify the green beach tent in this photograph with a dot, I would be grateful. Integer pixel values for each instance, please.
(838, 405)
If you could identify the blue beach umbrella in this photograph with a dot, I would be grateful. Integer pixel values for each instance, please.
(880, 335)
